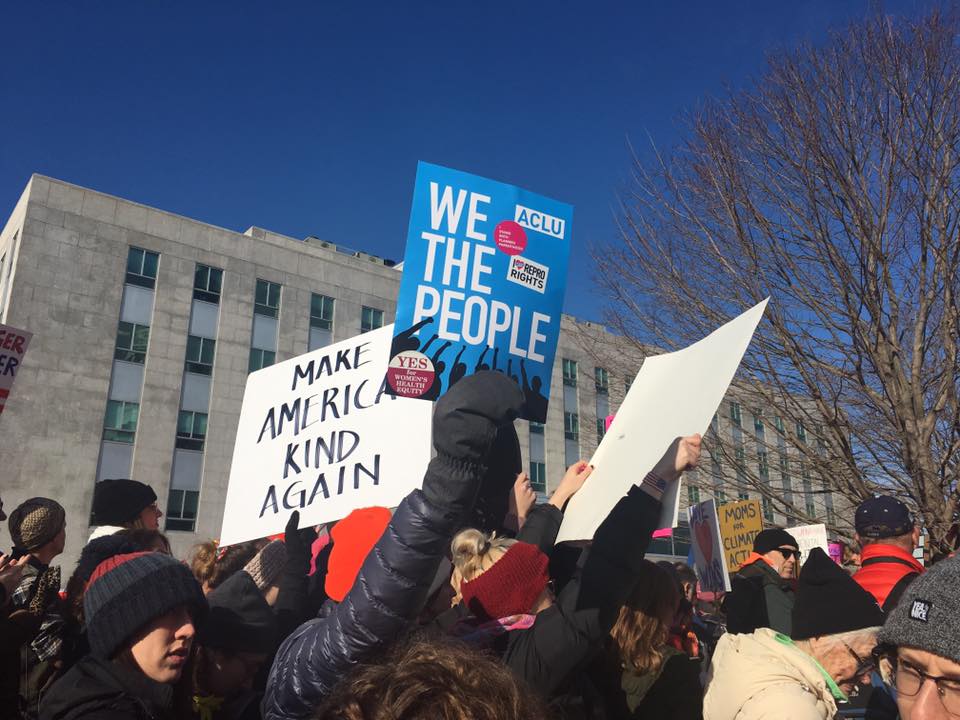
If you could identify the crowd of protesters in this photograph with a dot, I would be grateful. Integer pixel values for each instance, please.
(458, 604)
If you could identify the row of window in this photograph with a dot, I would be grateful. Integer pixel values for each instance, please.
(736, 417)
(601, 377)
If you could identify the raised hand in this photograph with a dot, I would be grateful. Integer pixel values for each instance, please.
(10, 572)
(683, 454)
(573, 480)
(521, 500)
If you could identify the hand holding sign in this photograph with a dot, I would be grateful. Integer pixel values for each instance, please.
(573, 480)
(683, 454)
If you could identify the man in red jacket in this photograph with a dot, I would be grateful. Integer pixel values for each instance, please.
(888, 536)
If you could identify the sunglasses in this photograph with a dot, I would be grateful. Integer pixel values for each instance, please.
(788, 553)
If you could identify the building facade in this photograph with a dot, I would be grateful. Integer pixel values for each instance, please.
(146, 325)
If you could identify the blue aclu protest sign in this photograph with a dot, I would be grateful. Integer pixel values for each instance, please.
(482, 289)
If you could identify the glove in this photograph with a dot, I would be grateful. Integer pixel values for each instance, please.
(467, 418)
(299, 544)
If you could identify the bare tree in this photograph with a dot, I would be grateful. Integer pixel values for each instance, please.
(831, 186)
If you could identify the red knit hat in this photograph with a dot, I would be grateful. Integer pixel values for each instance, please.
(511, 585)
(353, 539)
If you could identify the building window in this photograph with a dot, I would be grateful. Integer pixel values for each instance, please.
(538, 476)
(735, 412)
(120, 423)
(570, 372)
(321, 312)
(767, 509)
(536, 428)
(807, 491)
(602, 380)
(626, 385)
(260, 359)
(200, 355)
(801, 432)
(743, 495)
(207, 284)
(182, 509)
(778, 423)
(132, 340)
(763, 464)
(571, 426)
(370, 319)
(267, 299)
(715, 425)
(716, 471)
(693, 494)
(142, 267)
(601, 429)
(191, 430)
(759, 429)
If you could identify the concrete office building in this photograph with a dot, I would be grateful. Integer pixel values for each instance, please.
(146, 325)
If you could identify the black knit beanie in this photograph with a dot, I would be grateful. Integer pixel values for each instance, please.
(771, 539)
(239, 619)
(126, 592)
(829, 601)
(116, 502)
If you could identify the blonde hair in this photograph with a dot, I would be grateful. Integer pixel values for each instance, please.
(474, 552)
(640, 634)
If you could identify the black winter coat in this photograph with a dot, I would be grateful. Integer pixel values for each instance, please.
(103, 690)
(673, 692)
(566, 635)
(392, 585)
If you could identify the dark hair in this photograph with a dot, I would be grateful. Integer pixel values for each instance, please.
(685, 573)
(640, 633)
(432, 680)
(147, 539)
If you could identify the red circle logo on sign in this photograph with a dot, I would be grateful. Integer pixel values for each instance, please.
(410, 373)
(510, 237)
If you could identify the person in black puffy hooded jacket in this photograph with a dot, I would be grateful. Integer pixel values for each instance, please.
(392, 585)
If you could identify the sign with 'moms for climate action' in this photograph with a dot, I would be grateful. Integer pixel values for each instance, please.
(483, 282)
(319, 434)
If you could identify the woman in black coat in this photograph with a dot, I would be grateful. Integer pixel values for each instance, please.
(544, 639)
(392, 585)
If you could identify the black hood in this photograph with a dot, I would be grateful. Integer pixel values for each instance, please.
(95, 686)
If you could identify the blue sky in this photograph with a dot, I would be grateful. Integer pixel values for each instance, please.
(309, 118)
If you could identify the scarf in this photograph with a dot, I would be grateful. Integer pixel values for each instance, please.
(484, 634)
(206, 706)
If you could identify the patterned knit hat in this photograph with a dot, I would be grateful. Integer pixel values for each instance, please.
(266, 566)
(36, 522)
(926, 616)
(510, 586)
(126, 592)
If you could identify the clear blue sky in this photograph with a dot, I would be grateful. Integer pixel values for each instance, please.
(308, 118)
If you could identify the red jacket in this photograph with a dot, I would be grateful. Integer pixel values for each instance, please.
(878, 576)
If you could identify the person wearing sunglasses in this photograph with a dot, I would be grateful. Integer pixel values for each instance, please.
(921, 640)
(807, 675)
(763, 588)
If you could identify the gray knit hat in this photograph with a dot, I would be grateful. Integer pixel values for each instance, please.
(266, 565)
(926, 616)
(125, 592)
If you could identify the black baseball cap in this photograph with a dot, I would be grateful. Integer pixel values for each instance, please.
(882, 517)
